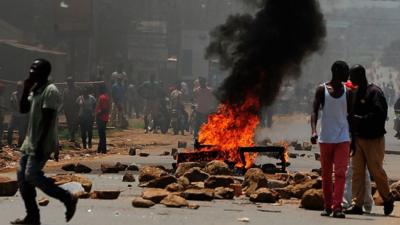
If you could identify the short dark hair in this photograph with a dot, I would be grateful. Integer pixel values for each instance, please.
(340, 67)
(45, 66)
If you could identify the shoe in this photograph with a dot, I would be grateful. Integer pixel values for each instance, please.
(326, 212)
(388, 206)
(354, 210)
(71, 208)
(26, 221)
(339, 214)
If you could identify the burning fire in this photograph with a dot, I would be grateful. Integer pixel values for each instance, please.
(231, 127)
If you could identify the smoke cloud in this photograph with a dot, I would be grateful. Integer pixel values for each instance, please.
(263, 49)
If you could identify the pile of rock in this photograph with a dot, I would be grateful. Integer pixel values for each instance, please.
(206, 182)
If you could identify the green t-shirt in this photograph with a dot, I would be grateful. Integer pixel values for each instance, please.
(47, 97)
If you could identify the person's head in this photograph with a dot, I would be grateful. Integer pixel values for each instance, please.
(40, 71)
(340, 71)
(20, 86)
(202, 82)
(86, 91)
(70, 81)
(358, 76)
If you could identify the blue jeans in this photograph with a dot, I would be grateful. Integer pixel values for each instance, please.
(31, 176)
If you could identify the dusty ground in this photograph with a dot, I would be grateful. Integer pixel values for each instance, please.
(217, 212)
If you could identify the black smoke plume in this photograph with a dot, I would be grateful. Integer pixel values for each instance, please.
(261, 50)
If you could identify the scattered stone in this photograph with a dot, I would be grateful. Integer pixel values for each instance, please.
(174, 201)
(196, 175)
(197, 185)
(166, 153)
(175, 187)
(183, 181)
(142, 203)
(155, 194)
(313, 200)
(43, 202)
(185, 167)
(307, 146)
(298, 190)
(253, 180)
(106, 195)
(144, 154)
(128, 177)
(162, 182)
(237, 189)
(298, 147)
(272, 184)
(317, 156)
(8, 187)
(264, 195)
(198, 194)
(82, 195)
(217, 167)
(317, 171)
(299, 178)
(284, 193)
(293, 143)
(70, 167)
(133, 167)
(395, 187)
(224, 193)
(293, 155)
(61, 179)
(219, 181)
(120, 166)
(182, 144)
(149, 173)
(282, 176)
(107, 168)
(193, 206)
(80, 168)
(269, 168)
(132, 151)
(73, 187)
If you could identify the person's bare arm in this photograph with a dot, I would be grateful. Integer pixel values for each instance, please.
(318, 102)
(25, 105)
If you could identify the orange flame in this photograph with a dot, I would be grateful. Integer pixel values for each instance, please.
(232, 127)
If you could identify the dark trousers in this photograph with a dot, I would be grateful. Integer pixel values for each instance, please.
(201, 118)
(20, 123)
(101, 127)
(86, 125)
(72, 123)
(31, 176)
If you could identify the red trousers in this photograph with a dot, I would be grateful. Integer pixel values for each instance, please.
(334, 157)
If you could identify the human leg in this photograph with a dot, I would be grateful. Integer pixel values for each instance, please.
(340, 161)
(327, 169)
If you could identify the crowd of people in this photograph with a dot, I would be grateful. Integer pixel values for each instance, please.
(354, 113)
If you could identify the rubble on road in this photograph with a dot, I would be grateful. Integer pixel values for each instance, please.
(196, 175)
(162, 182)
(174, 201)
(133, 167)
(43, 202)
(142, 203)
(199, 194)
(313, 200)
(224, 193)
(155, 195)
(264, 195)
(128, 177)
(8, 187)
(61, 179)
(217, 167)
(185, 167)
(149, 173)
(77, 168)
(106, 195)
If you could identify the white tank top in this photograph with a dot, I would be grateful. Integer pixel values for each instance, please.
(334, 124)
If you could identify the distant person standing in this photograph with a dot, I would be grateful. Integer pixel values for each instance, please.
(41, 100)
(18, 120)
(87, 105)
(333, 99)
(368, 127)
(150, 91)
(203, 99)
(103, 109)
(118, 96)
(397, 119)
(70, 107)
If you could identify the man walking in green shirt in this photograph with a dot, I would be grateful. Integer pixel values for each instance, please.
(41, 100)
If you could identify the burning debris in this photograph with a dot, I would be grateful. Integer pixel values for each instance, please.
(260, 51)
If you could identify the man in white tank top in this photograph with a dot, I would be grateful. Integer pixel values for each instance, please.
(334, 139)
